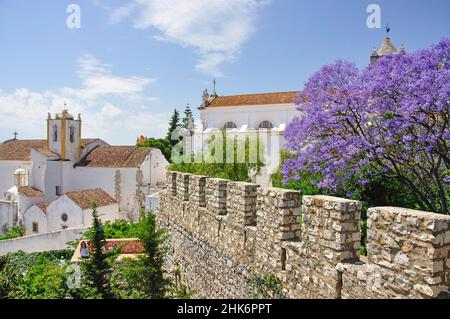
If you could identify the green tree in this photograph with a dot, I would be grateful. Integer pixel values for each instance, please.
(174, 124)
(162, 144)
(145, 277)
(187, 115)
(97, 268)
(154, 242)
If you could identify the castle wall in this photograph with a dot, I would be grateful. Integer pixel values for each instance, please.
(221, 230)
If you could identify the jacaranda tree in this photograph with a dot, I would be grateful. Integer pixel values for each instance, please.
(391, 119)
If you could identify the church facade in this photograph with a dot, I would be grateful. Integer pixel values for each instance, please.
(41, 179)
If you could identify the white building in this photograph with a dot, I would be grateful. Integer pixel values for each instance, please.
(265, 115)
(38, 172)
(73, 209)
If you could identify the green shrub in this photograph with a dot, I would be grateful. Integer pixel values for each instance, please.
(13, 232)
(234, 171)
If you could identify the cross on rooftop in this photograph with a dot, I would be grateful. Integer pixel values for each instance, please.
(15, 135)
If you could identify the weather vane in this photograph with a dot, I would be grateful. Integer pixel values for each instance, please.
(388, 29)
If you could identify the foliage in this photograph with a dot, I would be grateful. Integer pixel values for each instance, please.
(188, 115)
(390, 120)
(13, 232)
(97, 268)
(219, 165)
(144, 277)
(303, 183)
(173, 125)
(120, 229)
(35, 275)
(264, 287)
(162, 144)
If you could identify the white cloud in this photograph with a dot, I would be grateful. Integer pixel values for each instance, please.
(217, 29)
(114, 108)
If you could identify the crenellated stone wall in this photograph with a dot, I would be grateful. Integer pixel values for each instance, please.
(220, 230)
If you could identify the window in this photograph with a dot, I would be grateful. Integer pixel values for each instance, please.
(64, 217)
(265, 125)
(58, 190)
(72, 133)
(55, 133)
(230, 125)
(35, 227)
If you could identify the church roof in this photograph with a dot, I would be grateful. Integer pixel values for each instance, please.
(85, 198)
(30, 191)
(20, 150)
(116, 156)
(254, 99)
(387, 47)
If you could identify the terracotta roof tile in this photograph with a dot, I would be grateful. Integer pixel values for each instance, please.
(85, 198)
(30, 191)
(254, 99)
(43, 207)
(116, 156)
(20, 150)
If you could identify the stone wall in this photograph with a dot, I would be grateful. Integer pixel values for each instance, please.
(220, 230)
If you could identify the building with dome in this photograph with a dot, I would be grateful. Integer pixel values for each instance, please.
(47, 185)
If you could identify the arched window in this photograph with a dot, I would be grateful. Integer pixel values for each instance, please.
(230, 125)
(265, 125)
(55, 133)
(72, 133)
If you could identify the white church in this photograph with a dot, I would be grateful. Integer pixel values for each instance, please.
(48, 185)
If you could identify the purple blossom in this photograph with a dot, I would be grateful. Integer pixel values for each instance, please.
(392, 118)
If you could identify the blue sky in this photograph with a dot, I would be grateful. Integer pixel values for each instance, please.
(132, 62)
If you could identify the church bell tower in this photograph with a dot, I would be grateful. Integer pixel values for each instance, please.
(64, 136)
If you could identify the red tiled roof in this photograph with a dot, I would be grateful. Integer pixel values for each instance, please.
(20, 150)
(43, 207)
(30, 191)
(254, 99)
(116, 156)
(85, 198)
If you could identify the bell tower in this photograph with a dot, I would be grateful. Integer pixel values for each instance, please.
(64, 135)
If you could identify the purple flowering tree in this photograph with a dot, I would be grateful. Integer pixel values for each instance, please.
(393, 118)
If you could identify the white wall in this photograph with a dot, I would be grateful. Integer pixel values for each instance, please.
(6, 214)
(35, 215)
(43, 242)
(60, 206)
(154, 168)
(7, 169)
(26, 202)
(53, 178)
(216, 117)
(105, 213)
(93, 177)
(39, 169)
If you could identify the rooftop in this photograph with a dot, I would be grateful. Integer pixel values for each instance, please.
(30, 191)
(20, 150)
(85, 198)
(254, 99)
(116, 156)
(129, 248)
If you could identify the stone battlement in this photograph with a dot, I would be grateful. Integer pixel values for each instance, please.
(222, 229)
